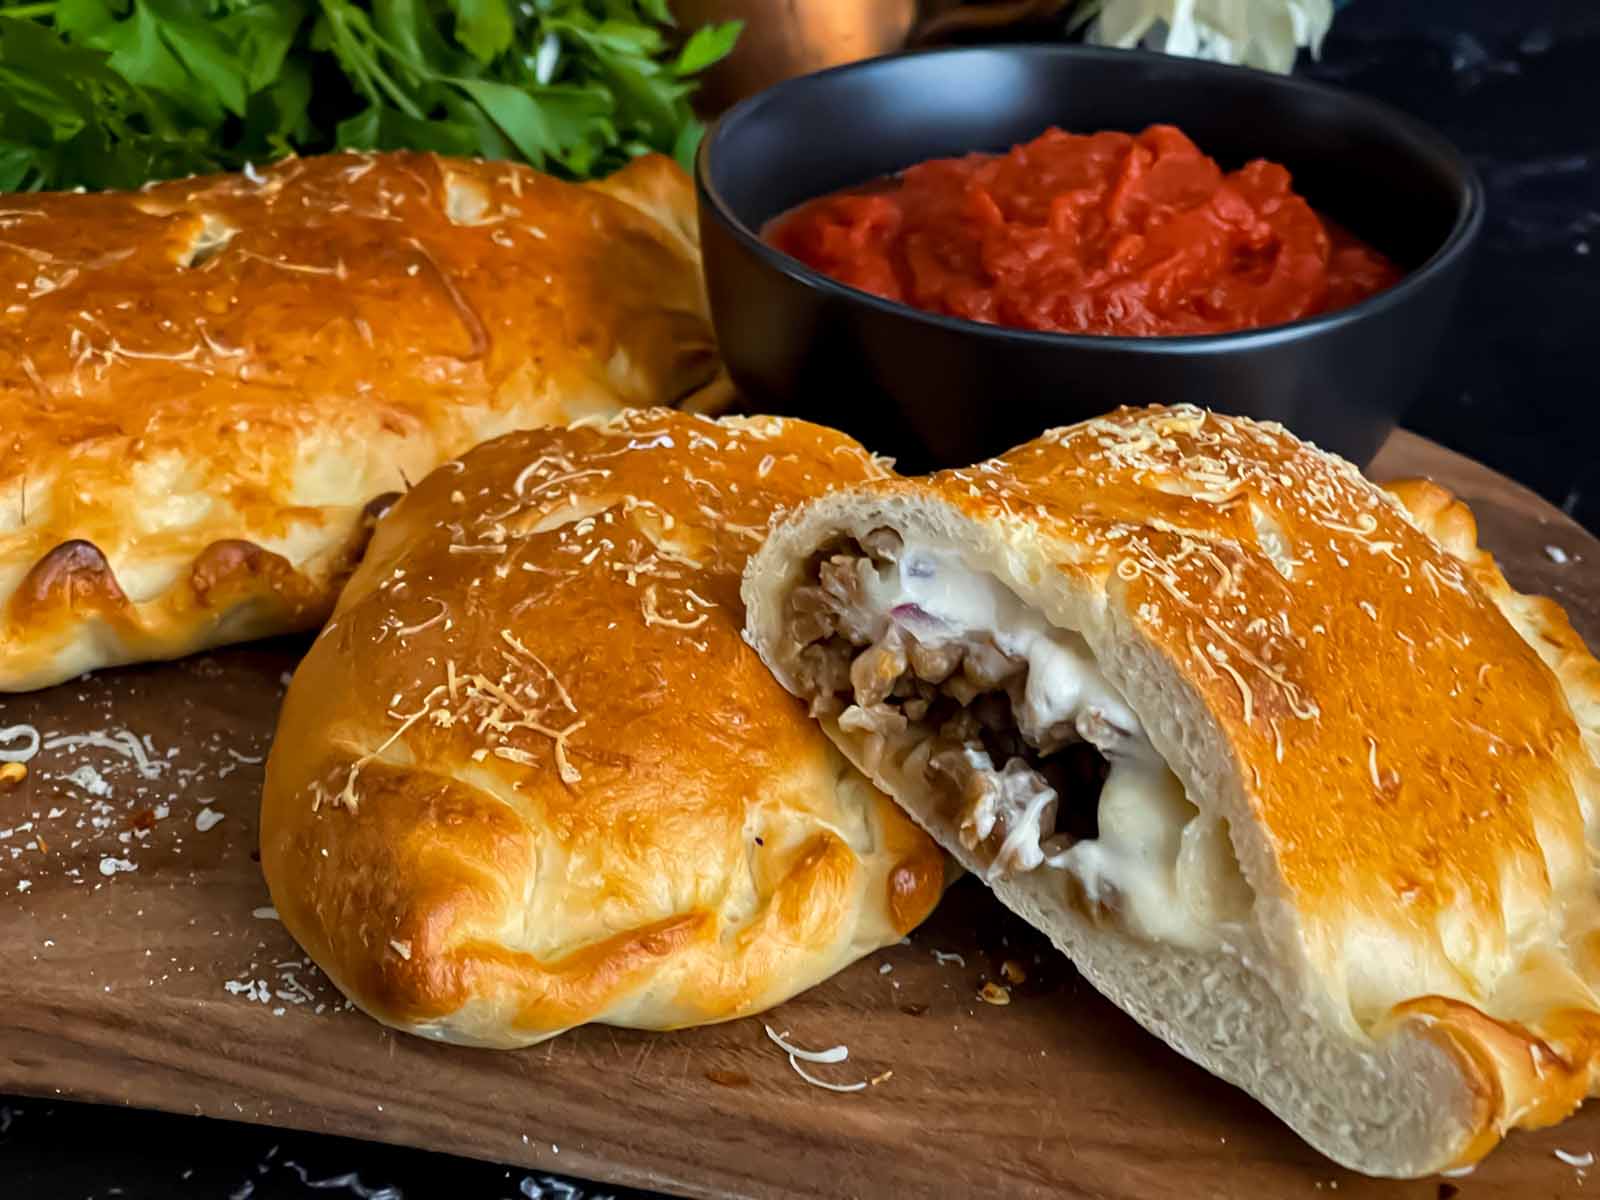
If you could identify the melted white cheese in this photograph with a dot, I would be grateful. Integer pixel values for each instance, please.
(1132, 866)
(1143, 813)
(1062, 676)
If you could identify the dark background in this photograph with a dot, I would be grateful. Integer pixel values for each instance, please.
(1517, 87)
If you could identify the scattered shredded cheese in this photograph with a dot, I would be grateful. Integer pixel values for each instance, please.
(122, 742)
(347, 795)
(652, 615)
(1372, 763)
(823, 1083)
(89, 780)
(833, 1054)
(410, 630)
(27, 734)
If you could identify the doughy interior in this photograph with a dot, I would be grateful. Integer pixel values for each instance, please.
(953, 683)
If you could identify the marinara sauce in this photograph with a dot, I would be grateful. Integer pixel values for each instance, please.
(1104, 233)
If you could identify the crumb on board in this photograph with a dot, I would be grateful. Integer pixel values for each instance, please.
(994, 993)
(104, 805)
(106, 788)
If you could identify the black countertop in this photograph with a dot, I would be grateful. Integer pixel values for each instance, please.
(1518, 89)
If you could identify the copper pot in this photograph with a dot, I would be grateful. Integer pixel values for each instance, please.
(784, 38)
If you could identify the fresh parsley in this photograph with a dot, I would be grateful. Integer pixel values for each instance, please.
(111, 93)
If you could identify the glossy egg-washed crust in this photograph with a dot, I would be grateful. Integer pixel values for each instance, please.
(205, 383)
(531, 776)
(1404, 747)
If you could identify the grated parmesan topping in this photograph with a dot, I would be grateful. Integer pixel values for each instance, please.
(1290, 505)
(570, 517)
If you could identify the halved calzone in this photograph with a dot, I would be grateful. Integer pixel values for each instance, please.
(1274, 755)
(531, 776)
(204, 384)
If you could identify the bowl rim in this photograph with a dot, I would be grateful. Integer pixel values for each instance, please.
(1472, 202)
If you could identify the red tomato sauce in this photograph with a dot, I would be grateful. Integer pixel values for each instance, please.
(1104, 233)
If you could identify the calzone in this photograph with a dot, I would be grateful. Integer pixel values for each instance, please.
(1275, 756)
(531, 776)
(205, 384)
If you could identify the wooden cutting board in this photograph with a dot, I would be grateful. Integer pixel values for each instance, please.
(140, 965)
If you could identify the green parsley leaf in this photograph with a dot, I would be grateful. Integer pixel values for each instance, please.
(710, 44)
(483, 27)
(112, 93)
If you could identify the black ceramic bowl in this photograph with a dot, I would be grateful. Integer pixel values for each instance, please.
(938, 391)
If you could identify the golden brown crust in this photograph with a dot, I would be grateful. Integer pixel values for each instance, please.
(1405, 750)
(530, 775)
(1542, 622)
(1520, 1078)
(251, 359)
(1167, 508)
(1534, 1073)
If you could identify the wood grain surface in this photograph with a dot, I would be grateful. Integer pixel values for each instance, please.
(140, 965)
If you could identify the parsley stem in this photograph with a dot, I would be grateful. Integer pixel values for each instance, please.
(24, 12)
(370, 69)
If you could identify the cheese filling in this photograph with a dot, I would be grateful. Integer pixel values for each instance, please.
(946, 672)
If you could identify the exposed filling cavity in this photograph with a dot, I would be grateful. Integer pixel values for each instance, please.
(947, 675)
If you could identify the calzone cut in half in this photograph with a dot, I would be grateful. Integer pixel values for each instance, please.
(206, 383)
(1275, 756)
(531, 776)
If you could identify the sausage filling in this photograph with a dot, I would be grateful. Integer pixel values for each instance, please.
(946, 672)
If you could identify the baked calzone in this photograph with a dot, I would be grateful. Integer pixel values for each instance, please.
(1274, 755)
(531, 776)
(206, 383)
